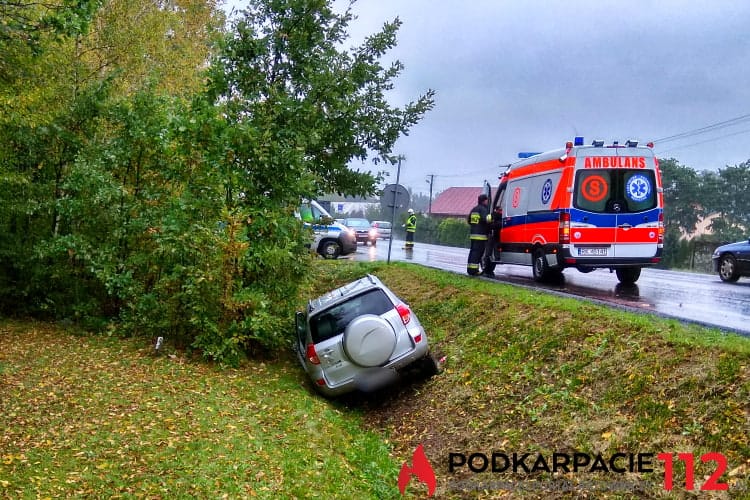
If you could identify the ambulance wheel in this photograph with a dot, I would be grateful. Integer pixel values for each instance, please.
(330, 249)
(540, 268)
(628, 275)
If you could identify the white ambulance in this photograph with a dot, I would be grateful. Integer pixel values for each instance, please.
(584, 206)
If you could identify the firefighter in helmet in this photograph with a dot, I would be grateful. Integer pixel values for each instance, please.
(480, 223)
(411, 228)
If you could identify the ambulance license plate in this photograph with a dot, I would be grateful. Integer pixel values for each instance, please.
(592, 252)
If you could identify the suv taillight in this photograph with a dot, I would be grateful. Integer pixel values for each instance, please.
(404, 312)
(564, 235)
(311, 355)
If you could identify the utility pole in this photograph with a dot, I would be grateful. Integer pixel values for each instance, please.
(429, 205)
(393, 208)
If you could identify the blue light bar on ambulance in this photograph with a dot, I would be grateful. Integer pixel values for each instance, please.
(527, 154)
(578, 141)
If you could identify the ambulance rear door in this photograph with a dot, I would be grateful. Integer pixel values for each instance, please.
(637, 213)
(615, 215)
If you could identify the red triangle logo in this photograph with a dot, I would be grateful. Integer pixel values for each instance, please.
(421, 469)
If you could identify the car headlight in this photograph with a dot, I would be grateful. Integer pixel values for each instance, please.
(373, 232)
(716, 254)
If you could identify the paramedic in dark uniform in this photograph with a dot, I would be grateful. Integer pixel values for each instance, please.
(480, 220)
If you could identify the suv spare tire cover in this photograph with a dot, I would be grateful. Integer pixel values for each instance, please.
(369, 340)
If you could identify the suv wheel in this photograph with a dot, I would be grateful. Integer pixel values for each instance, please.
(369, 340)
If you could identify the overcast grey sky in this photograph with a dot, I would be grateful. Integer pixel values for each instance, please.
(529, 75)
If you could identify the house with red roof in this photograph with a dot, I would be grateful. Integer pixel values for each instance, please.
(455, 202)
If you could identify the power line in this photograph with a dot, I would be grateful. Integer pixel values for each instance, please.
(703, 130)
(658, 142)
(703, 142)
(476, 172)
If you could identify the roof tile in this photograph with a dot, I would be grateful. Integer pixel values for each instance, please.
(456, 201)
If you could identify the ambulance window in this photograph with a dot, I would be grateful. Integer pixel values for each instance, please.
(615, 190)
(592, 190)
(639, 190)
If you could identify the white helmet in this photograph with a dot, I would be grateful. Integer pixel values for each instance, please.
(411, 210)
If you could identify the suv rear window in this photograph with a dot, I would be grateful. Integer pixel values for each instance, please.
(615, 190)
(333, 321)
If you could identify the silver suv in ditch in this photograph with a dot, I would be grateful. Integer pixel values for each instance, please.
(360, 336)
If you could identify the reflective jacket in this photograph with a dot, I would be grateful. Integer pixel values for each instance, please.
(411, 224)
(480, 220)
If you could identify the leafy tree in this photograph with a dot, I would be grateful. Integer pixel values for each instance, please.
(454, 232)
(677, 251)
(27, 21)
(296, 108)
(161, 45)
(57, 113)
(419, 201)
(733, 203)
(177, 214)
(302, 107)
(682, 187)
(28, 26)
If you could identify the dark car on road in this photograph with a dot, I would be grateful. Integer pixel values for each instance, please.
(363, 230)
(732, 261)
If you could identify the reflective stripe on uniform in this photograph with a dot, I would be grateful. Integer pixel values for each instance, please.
(411, 223)
(478, 237)
(472, 266)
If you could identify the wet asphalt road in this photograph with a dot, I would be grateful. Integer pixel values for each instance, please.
(692, 297)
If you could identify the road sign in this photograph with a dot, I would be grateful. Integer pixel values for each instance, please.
(394, 195)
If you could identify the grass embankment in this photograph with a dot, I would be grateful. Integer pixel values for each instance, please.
(525, 372)
(100, 417)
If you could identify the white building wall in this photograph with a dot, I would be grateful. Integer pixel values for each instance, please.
(347, 207)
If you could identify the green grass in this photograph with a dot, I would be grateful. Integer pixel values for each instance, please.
(98, 416)
(524, 371)
(532, 371)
